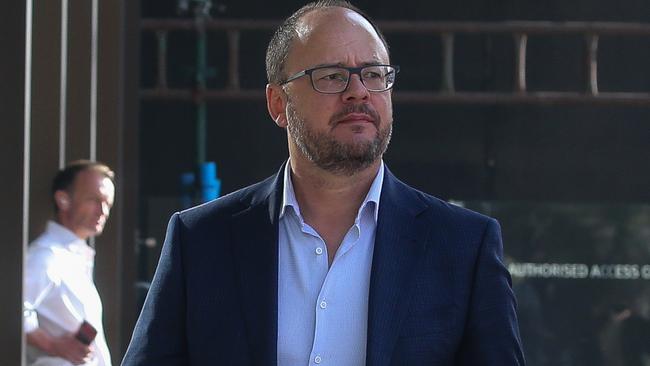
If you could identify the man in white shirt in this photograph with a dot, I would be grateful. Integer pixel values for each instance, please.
(60, 293)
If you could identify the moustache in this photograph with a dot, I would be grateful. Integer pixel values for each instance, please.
(356, 108)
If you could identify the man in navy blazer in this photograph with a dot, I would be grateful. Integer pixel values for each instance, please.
(333, 260)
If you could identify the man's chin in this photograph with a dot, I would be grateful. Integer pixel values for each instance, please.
(356, 133)
(97, 230)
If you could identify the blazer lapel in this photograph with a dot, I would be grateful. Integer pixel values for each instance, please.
(254, 233)
(399, 242)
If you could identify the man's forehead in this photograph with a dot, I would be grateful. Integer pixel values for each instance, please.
(328, 34)
(327, 19)
(92, 178)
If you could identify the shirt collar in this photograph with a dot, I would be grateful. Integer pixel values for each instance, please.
(374, 193)
(66, 238)
(288, 194)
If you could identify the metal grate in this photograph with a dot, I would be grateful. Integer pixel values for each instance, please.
(446, 31)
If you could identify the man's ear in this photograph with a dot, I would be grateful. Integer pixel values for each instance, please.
(62, 199)
(276, 103)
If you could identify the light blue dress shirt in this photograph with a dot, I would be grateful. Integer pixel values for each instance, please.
(323, 312)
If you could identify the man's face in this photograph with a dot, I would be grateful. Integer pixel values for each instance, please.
(88, 204)
(346, 132)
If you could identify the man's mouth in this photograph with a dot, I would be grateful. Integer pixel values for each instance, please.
(356, 118)
(356, 114)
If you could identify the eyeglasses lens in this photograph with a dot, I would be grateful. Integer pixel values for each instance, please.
(335, 79)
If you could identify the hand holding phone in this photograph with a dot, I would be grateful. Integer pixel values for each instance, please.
(86, 333)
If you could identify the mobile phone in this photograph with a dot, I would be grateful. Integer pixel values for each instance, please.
(86, 333)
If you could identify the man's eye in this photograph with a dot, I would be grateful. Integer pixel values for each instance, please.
(372, 75)
(335, 76)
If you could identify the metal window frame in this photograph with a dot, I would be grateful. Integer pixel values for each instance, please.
(446, 31)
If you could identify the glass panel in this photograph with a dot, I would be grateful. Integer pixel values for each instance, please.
(581, 274)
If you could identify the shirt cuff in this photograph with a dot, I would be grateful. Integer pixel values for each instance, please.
(30, 319)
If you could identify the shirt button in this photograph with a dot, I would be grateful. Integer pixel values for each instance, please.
(323, 304)
(317, 359)
(319, 250)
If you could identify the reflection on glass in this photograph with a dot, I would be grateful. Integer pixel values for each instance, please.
(581, 274)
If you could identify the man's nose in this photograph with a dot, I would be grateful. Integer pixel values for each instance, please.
(356, 90)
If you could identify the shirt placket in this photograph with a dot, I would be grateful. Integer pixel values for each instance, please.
(323, 320)
(325, 307)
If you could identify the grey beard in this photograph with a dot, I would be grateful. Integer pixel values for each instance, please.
(331, 155)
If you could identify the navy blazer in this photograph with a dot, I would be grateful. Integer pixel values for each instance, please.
(439, 292)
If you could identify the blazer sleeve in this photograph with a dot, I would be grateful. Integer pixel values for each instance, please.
(491, 336)
(159, 337)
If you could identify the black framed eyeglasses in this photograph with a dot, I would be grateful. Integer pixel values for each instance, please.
(335, 79)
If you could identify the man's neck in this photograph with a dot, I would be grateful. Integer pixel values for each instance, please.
(323, 195)
(78, 233)
(329, 202)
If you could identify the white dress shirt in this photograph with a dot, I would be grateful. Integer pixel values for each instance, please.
(60, 293)
(323, 312)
